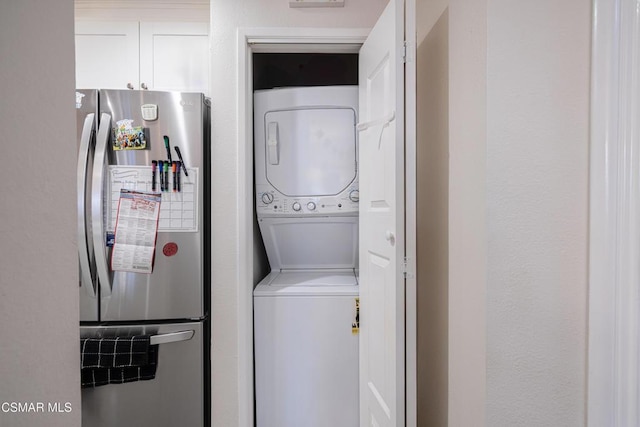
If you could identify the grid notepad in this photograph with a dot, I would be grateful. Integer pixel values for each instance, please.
(178, 210)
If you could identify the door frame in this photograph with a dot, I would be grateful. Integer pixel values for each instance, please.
(614, 248)
(278, 40)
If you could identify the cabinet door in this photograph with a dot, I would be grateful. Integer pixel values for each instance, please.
(107, 55)
(174, 56)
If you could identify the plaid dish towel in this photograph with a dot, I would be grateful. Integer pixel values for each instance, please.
(117, 360)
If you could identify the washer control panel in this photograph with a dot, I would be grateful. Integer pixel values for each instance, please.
(270, 202)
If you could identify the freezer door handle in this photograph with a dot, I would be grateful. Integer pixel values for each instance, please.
(172, 337)
(97, 201)
(85, 247)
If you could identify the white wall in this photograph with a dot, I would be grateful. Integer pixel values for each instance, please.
(432, 194)
(467, 212)
(39, 341)
(226, 18)
(519, 120)
(538, 63)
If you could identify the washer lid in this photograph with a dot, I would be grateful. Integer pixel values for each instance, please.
(315, 278)
(311, 242)
(308, 283)
(310, 151)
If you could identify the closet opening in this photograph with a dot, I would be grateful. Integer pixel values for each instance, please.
(305, 203)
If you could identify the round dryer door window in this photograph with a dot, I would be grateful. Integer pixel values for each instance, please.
(311, 152)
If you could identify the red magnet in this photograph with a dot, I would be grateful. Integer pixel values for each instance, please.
(170, 249)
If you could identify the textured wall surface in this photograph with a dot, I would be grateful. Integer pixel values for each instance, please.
(39, 357)
(467, 211)
(538, 61)
(519, 121)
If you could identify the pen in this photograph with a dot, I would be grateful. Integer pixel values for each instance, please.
(178, 173)
(167, 166)
(175, 178)
(160, 168)
(154, 164)
(166, 145)
(184, 167)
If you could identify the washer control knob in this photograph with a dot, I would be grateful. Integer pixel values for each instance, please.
(311, 206)
(354, 196)
(267, 198)
(296, 206)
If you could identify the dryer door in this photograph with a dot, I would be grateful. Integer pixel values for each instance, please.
(311, 242)
(311, 152)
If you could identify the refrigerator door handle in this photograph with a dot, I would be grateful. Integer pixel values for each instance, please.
(85, 248)
(172, 337)
(97, 201)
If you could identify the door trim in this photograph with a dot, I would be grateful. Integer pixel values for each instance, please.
(614, 248)
(250, 40)
(410, 219)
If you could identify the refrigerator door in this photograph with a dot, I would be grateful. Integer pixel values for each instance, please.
(86, 120)
(175, 397)
(174, 290)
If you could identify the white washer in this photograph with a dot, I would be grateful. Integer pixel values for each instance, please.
(306, 354)
(306, 349)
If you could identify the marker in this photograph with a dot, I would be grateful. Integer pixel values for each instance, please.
(167, 166)
(175, 178)
(160, 169)
(166, 145)
(154, 164)
(178, 173)
(184, 168)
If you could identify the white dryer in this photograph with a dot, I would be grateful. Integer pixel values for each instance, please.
(306, 151)
(305, 310)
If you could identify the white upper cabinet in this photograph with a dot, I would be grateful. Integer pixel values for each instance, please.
(107, 55)
(175, 56)
(143, 55)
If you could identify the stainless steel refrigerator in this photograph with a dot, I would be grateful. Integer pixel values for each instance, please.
(171, 302)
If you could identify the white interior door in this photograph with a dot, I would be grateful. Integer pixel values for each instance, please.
(382, 233)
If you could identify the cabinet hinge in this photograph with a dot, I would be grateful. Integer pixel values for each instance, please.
(408, 269)
(404, 52)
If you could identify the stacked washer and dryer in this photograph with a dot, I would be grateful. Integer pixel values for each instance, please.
(306, 177)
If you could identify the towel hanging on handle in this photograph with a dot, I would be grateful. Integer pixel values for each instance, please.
(117, 360)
